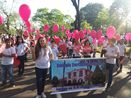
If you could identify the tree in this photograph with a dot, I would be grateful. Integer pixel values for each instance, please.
(119, 13)
(55, 16)
(102, 21)
(90, 12)
(43, 16)
(12, 22)
(77, 21)
(85, 25)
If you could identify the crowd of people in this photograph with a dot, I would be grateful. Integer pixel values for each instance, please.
(45, 49)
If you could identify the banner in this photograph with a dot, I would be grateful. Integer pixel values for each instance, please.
(77, 74)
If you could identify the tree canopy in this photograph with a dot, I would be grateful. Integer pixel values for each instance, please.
(90, 12)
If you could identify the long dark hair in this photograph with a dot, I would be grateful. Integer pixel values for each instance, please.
(38, 48)
(17, 40)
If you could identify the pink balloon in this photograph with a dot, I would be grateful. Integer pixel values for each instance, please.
(93, 34)
(48, 39)
(128, 36)
(117, 37)
(37, 32)
(99, 34)
(85, 31)
(81, 34)
(94, 41)
(68, 34)
(24, 12)
(62, 28)
(55, 28)
(57, 39)
(39, 36)
(101, 40)
(1, 20)
(110, 31)
(28, 25)
(76, 35)
(46, 28)
(33, 30)
(88, 31)
(26, 33)
(67, 31)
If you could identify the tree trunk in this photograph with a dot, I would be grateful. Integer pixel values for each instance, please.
(77, 20)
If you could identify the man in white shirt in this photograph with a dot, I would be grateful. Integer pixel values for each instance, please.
(112, 52)
(122, 49)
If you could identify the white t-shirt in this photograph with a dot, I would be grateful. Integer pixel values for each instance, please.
(27, 42)
(122, 49)
(8, 60)
(111, 51)
(21, 48)
(69, 45)
(42, 61)
(55, 52)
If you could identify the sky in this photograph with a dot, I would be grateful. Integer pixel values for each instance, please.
(65, 6)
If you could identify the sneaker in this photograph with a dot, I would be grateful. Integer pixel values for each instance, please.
(129, 72)
(3, 84)
(12, 84)
(107, 89)
(38, 96)
(43, 95)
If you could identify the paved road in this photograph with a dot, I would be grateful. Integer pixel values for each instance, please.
(25, 87)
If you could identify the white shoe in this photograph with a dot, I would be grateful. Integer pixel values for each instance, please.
(38, 96)
(43, 95)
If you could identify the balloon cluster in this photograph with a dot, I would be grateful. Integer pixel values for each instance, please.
(110, 32)
(25, 12)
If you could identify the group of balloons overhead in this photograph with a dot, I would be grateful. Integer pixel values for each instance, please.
(25, 12)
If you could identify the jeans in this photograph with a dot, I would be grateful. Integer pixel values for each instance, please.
(103, 52)
(40, 79)
(69, 53)
(21, 65)
(5, 69)
(109, 68)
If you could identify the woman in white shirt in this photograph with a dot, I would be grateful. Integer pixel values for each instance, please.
(21, 49)
(42, 56)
